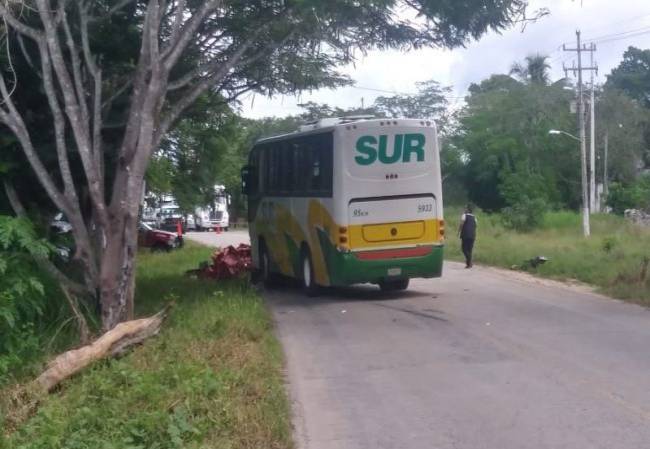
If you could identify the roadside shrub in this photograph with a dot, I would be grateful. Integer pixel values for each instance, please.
(565, 220)
(609, 244)
(22, 295)
(631, 196)
(524, 215)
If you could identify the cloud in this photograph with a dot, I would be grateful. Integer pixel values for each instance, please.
(611, 23)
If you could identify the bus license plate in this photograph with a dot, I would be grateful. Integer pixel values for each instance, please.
(394, 271)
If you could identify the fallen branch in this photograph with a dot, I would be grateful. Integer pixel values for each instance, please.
(22, 401)
(112, 343)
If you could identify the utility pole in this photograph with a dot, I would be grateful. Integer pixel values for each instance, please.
(580, 48)
(605, 183)
(593, 204)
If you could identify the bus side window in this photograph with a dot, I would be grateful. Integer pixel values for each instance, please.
(274, 158)
(301, 175)
(322, 165)
(286, 170)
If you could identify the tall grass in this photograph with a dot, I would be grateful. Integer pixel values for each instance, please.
(212, 378)
(612, 259)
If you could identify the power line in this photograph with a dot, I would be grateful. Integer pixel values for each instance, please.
(395, 92)
(628, 20)
(604, 41)
(609, 25)
(608, 36)
(618, 36)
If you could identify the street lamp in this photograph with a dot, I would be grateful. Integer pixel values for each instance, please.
(557, 131)
(585, 196)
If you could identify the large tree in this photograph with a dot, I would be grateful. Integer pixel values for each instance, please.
(430, 101)
(632, 75)
(534, 69)
(503, 133)
(177, 50)
(623, 121)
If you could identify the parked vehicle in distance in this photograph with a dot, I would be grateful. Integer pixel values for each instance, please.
(215, 214)
(150, 216)
(157, 239)
(169, 217)
(60, 224)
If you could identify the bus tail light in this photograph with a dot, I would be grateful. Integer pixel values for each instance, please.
(343, 238)
(441, 229)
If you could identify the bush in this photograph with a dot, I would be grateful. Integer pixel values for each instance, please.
(631, 196)
(22, 295)
(525, 215)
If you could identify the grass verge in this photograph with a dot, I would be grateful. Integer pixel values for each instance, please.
(211, 379)
(614, 258)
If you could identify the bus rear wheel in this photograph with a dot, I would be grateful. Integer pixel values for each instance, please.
(265, 274)
(309, 285)
(394, 285)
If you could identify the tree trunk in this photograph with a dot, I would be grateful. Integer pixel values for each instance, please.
(117, 271)
(117, 276)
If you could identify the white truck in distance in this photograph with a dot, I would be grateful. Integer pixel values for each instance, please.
(214, 215)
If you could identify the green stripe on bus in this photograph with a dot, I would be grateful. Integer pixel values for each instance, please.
(346, 269)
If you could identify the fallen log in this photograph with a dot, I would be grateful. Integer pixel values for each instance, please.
(111, 344)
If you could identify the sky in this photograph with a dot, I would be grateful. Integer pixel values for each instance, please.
(612, 24)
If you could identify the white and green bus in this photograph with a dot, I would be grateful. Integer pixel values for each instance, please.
(347, 201)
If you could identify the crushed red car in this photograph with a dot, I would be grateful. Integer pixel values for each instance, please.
(228, 263)
(156, 239)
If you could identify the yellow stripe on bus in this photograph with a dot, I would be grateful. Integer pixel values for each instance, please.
(319, 218)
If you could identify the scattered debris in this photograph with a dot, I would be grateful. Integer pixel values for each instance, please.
(227, 263)
(639, 217)
(531, 263)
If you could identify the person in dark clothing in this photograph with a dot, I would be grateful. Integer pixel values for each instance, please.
(467, 234)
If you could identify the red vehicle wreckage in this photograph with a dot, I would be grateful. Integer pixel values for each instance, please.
(227, 263)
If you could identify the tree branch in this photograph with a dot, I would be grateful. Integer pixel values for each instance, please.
(76, 66)
(96, 73)
(203, 85)
(178, 20)
(59, 124)
(139, 80)
(175, 49)
(18, 25)
(14, 121)
(119, 6)
(74, 111)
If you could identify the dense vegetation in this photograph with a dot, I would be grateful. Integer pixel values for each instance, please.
(212, 378)
(497, 150)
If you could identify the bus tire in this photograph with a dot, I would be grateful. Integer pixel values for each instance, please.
(394, 285)
(307, 280)
(265, 274)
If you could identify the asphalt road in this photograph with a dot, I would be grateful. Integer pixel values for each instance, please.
(211, 238)
(481, 358)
